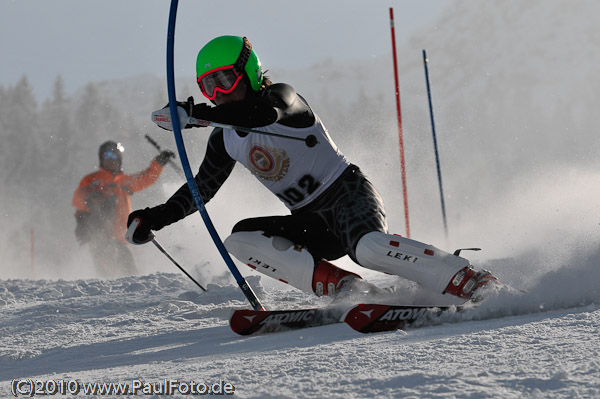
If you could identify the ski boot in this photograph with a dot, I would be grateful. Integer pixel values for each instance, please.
(467, 283)
(330, 280)
(343, 285)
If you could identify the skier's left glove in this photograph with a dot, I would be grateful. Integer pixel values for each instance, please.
(164, 157)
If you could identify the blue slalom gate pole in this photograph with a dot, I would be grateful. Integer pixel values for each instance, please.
(435, 147)
(246, 289)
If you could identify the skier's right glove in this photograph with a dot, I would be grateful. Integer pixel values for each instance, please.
(151, 219)
(164, 157)
(162, 117)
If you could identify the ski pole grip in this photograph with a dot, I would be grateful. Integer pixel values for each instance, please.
(131, 229)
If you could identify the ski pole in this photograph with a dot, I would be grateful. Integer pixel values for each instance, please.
(129, 238)
(246, 289)
(435, 147)
(175, 263)
(162, 118)
(310, 140)
(157, 146)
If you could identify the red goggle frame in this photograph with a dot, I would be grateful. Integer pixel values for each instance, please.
(219, 80)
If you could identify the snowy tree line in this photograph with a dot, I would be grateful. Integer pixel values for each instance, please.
(43, 141)
(46, 149)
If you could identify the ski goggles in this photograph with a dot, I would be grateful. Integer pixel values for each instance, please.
(112, 155)
(220, 80)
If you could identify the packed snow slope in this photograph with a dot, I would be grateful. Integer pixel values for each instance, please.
(541, 344)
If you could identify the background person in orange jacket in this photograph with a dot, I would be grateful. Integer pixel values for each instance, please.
(102, 202)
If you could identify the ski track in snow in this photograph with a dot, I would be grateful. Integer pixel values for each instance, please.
(539, 344)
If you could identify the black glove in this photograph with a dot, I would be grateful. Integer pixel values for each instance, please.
(204, 112)
(188, 106)
(164, 157)
(152, 219)
(146, 222)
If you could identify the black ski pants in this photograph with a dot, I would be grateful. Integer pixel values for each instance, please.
(331, 225)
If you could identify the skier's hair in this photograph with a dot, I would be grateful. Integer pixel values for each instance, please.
(266, 81)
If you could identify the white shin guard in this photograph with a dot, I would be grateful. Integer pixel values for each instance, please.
(276, 257)
(413, 260)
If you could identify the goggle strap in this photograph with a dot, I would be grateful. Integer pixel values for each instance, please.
(240, 64)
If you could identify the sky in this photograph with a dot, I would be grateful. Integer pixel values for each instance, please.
(95, 40)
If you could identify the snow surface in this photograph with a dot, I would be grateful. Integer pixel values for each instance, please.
(540, 344)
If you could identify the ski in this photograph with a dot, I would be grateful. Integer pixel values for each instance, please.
(246, 322)
(370, 318)
(365, 318)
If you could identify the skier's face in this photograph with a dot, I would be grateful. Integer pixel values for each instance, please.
(111, 161)
(237, 95)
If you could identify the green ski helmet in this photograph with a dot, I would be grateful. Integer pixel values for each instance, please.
(228, 54)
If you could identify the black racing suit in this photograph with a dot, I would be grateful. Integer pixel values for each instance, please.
(330, 226)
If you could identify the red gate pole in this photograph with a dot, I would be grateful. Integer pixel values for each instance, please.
(398, 109)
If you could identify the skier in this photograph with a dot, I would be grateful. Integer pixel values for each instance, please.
(335, 209)
(102, 202)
